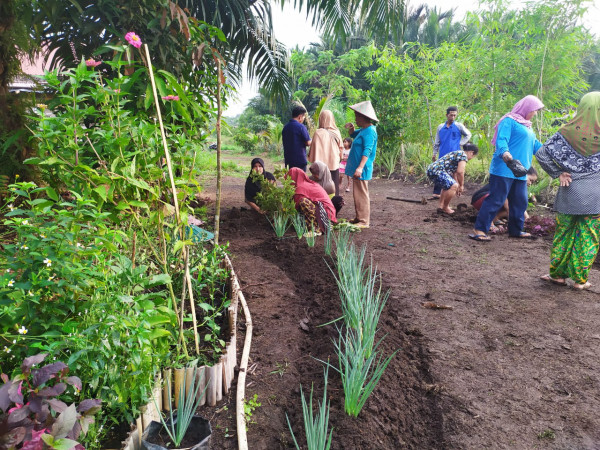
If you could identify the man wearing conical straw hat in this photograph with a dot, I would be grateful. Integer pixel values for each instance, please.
(360, 160)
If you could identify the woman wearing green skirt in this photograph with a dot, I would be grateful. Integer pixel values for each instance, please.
(573, 156)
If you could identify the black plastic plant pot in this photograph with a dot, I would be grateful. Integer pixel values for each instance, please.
(197, 437)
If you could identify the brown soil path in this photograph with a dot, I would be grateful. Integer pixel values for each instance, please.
(512, 365)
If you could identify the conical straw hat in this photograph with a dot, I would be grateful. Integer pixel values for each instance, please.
(366, 109)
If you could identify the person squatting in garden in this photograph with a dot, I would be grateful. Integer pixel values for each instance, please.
(449, 137)
(515, 144)
(295, 139)
(572, 155)
(253, 186)
(360, 160)
(343, 174)
(502, 215)
(313, 202)
(326, 146)
(448, 172)
(321, 174)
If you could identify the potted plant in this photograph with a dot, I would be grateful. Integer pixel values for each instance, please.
(33, 417)
(183, 429)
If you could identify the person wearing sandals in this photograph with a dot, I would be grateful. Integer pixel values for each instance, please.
(313, 202)
(515, 144)
(448, 172)
(502, 215)
(360, 160)
(326, 146)
(573, 156)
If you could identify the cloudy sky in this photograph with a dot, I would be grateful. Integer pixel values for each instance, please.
(293, 28)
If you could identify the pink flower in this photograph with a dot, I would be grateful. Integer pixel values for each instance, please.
(171, 98)
(133, 39)
(92, 62)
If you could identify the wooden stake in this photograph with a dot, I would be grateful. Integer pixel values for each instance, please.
(179, 375)
(201, 381)
(219, 379)
(218, 126)
(189, 377)
(167, 389)
(241, 386)
(211, 389)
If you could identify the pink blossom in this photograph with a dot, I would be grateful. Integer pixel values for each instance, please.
(171, 98)
(133, 39)
(92, 62)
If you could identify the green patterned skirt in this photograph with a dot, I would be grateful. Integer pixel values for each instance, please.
(574, 247)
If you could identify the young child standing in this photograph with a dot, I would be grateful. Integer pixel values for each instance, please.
(345, 153)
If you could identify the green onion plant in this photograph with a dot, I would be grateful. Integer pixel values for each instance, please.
(311, 238)
(299, 224)
(316, 426)
(188, 404)
(280, 223)
(360, 374)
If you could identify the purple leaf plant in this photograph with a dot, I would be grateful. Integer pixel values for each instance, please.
(33, 417)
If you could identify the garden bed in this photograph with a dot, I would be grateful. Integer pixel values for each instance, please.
(510, 366)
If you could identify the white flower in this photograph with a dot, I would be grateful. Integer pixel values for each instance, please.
(22, 330)
(51, 278)
(11, 283)
(11, 207)
(78, 245)
(14, 341)
(48, 262)
(6, 349)
(30, 293)
(25, 222)
(43, 236)
(7, 270)
(24, 247)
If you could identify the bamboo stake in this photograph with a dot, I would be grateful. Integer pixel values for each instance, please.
(201, 381)
(192, 304)
(241, 386)
(189, 377)
(179, 375)
(169, 164)
(167, 389)
(211, 389)
(219, 113)
(219, 380)
(140, 429)
(225, 373)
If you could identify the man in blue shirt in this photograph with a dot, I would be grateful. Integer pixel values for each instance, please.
(450, 137)
(360, 160)
(295, 139)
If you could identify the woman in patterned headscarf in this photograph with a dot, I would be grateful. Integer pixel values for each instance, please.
(573, 156)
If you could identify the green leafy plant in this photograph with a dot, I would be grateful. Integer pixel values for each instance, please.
(33, 415)
(316, 426)
(250, 405)
(179, 423)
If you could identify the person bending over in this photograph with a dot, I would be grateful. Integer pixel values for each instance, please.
(253, 187)
(479, 196)
(449, 173)
(313, 202)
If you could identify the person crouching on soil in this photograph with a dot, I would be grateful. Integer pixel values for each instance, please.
(253, 187)
(449, 173)
(313, 202)
(502, 216)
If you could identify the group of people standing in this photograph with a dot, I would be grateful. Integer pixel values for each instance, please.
(331, 156)
(572, 155)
